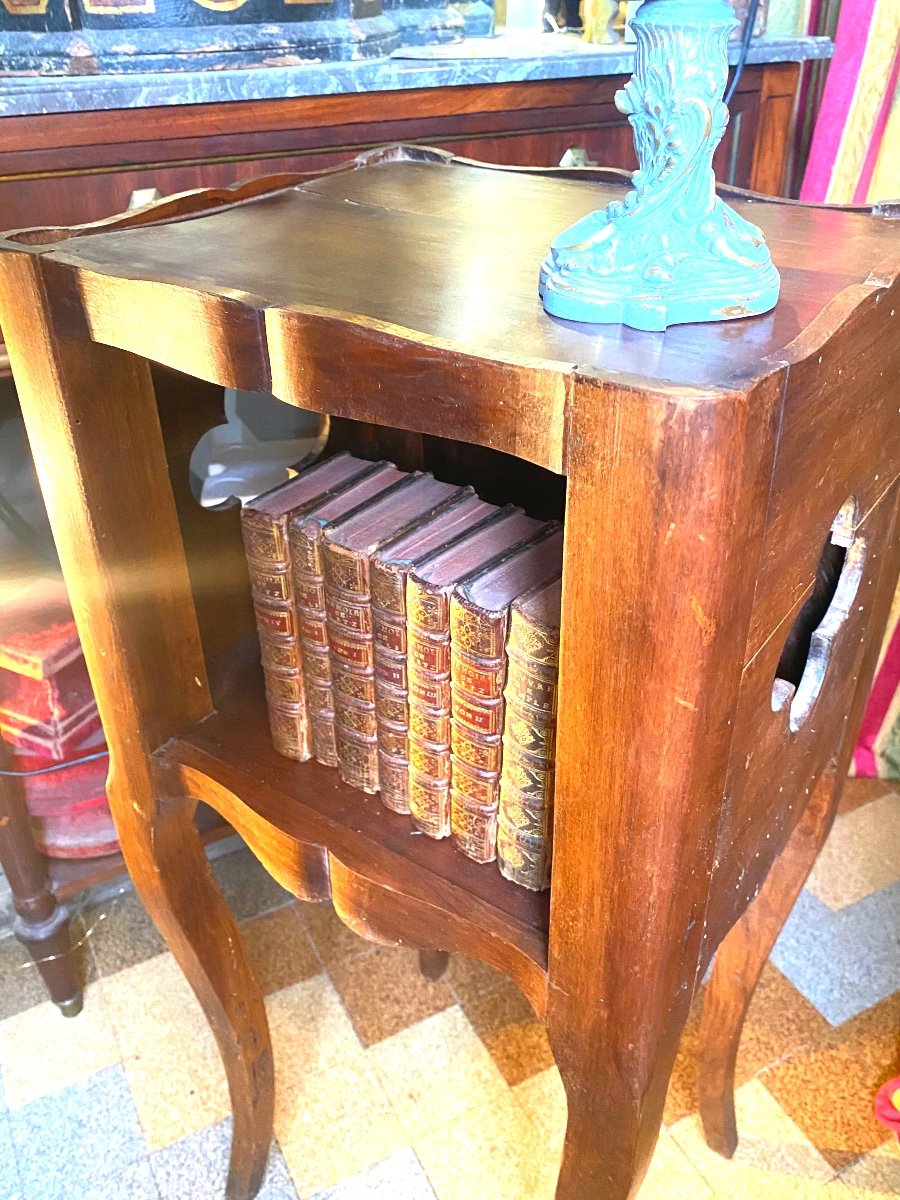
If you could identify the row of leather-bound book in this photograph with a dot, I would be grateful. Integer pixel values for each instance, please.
(409, 637)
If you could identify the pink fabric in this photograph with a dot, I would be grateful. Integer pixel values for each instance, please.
(850, 48)
(880, 699)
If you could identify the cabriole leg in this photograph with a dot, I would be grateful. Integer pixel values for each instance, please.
(739, 962)
(93, 424)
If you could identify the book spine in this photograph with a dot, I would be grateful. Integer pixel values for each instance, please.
(309, 591)
(391, 684)
(525, 820)
(428, 671)
(348, 606)
(478, 673)
(268, 561)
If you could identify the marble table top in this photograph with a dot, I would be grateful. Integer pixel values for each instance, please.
(501, 59)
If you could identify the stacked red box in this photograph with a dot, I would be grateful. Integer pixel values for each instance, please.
(48, 715)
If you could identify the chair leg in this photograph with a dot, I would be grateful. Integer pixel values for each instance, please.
(173, 878)
(41, 924)
(433, 963)
(739, 962)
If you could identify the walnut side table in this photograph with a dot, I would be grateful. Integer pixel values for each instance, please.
(715, 658)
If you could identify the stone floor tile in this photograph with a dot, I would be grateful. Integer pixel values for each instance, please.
(196, 1168)
(514, 1037)
(846, 961)
(333, 940)
(121, 933)
(436, 1070)
(878, 1171)
(279, 949)
(10, 1184)
(69, 1143)
(310, 1028)
(168, 1051)
(248, 886)
(773, 1153)
(399, 1177)
(470, 978)
(861, 855)
(485, 1152)
(384, 992)
(136, 1182)
(41, 1051)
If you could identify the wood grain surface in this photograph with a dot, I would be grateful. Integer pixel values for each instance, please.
(703, 471)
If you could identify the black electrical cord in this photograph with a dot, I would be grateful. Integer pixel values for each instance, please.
(76, 762)
(745, 47)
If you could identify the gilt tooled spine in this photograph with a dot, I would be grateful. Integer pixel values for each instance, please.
(428, 672)
(478, 672)
(309, 594)
(391, 683)
(349, 618)
(525, 821)
(268, 561)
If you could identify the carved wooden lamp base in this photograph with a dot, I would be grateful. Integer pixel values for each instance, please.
(671, 251)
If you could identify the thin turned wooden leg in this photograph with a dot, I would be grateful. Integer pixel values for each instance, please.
(93, 424)
(41, 923)
(739, 962)
(433, 963)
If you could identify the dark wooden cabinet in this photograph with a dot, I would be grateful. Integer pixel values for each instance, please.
(68, 168)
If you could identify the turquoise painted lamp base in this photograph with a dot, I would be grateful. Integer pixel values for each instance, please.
(672, 251)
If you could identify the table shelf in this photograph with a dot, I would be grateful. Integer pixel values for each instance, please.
(323, 839)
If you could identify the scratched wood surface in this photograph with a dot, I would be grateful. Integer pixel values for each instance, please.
(704, 472)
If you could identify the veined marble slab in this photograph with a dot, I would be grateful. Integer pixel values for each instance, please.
(502, 59)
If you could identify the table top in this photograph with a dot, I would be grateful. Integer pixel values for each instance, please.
(446, 254)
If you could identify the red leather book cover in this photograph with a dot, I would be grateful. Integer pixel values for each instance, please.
(264, 527)
(348, 549)
(428, 590)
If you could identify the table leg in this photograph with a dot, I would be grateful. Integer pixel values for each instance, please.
(113, 517)
(739, 962)
(41, 924)
(664, 510)
(433, 963)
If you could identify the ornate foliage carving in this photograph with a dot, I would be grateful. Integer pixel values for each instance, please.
(672, 251)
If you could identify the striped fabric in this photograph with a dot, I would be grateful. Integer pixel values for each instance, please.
(855, 159)
(854, 155)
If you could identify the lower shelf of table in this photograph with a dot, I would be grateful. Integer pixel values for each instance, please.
(321, 838)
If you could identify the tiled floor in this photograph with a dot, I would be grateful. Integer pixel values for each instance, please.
(393, 1087)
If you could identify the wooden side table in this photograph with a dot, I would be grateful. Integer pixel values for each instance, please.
(715, 658)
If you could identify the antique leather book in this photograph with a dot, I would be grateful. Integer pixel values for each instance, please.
(428, 590)
(389, 569)
(264, 525)
(525, 827)
(347, 549)
(47, 705)
(305, 534)
(479, 621)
